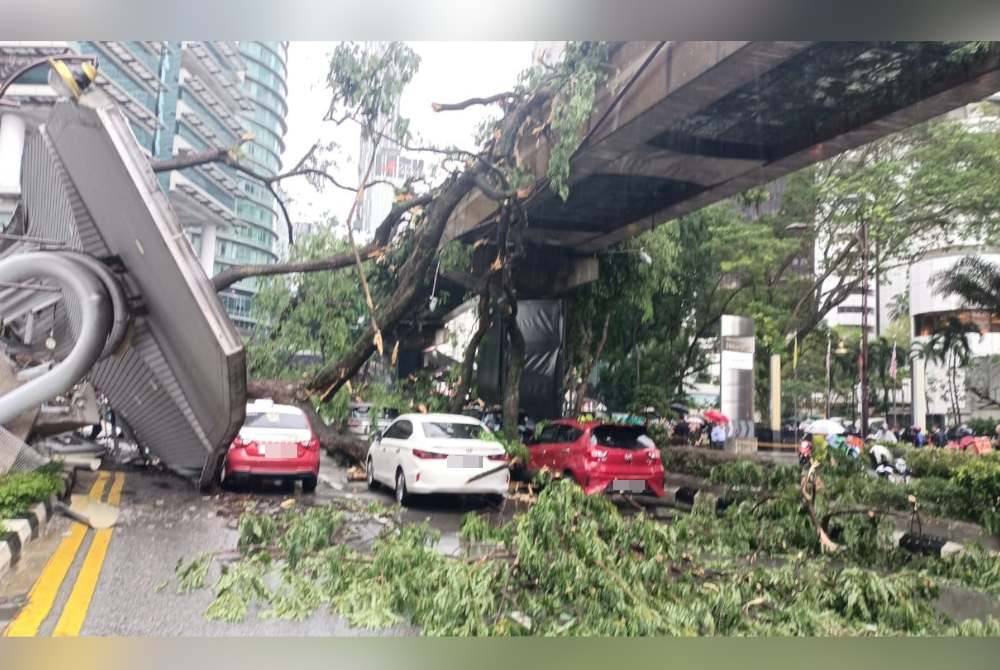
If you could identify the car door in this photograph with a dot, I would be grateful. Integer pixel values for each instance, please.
(397, 446)
(547, 440)
(565, 456)
(377, 453)
(386, 450)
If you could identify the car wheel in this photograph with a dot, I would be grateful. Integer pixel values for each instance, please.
(570, 477)
(402, 497)
(309, 484)
(495, 500)
(370, 475)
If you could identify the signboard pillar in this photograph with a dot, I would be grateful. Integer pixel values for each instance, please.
(737, 345)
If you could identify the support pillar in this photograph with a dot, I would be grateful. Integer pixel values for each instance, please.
(207, 255)
(736, 356)
(776, 396)
(918, 394)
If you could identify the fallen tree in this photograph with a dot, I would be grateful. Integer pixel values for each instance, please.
(550, 104)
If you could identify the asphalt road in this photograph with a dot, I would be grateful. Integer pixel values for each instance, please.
(122, 583)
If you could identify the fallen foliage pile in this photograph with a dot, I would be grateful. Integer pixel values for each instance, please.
(573, 565)
(947, 483)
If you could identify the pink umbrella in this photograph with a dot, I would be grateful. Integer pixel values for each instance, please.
(715, 416)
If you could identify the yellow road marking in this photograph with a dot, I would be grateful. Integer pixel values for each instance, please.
(75, 611)
(43, 594)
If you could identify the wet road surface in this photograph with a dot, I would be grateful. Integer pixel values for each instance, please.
(121, 582)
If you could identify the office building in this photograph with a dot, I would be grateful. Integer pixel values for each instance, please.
(178, 97)
(392, 164)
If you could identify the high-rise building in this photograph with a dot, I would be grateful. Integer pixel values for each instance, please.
(178, 97)
(254, 239)
(391, 165)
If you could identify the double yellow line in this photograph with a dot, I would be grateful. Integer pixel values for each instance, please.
(45, 591)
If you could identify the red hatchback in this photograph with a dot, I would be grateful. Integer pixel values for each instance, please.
(601, 457)
(275, 443)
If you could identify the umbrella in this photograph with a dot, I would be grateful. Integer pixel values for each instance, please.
(695, 418)
(826, 427)
(715, 416)
(680, 408)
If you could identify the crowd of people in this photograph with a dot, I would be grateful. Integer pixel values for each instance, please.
(851, 444)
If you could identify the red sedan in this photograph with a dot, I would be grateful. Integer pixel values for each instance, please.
(601, 457)
(275, 443)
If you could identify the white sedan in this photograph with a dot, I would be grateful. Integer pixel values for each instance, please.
(436, 453)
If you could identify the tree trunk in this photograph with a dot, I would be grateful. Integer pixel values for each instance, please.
(469, 358)
(954, 390)
(330, 438)
(581, 389)
(512, 379)
(330, 379)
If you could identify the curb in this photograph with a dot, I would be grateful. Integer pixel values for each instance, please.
(16, 533)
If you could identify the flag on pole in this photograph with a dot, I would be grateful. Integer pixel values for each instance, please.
(892, 362)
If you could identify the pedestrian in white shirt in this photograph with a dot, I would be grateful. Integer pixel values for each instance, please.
(718, 436)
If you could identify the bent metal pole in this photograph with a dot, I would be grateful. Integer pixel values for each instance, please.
(95, 326)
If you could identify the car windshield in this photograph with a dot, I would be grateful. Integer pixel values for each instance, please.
(275, 420)
(455, 431)
(620, 437)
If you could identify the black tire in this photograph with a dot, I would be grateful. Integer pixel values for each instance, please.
(370, 475)
(570, 477)
(309, 484)
(495, 500)
(403, 497)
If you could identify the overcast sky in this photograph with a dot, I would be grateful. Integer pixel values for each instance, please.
(449, 72)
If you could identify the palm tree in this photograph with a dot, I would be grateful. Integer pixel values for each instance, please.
(926, 352)
(951, 347)
(975, 280)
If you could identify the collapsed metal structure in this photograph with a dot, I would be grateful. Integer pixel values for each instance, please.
(99, 283)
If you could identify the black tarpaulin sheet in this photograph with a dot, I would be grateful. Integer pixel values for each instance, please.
(541, 324)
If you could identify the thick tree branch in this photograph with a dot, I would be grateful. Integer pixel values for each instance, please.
(231, 275)
(331, 378)
(465, 104)
(377, 247)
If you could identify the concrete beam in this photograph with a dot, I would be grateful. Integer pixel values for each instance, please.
(648, 161)
(951, 95)
(555, 276)
(683, 78)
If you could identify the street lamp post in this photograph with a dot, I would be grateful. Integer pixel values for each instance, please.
(864, 328)
(829, 373)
